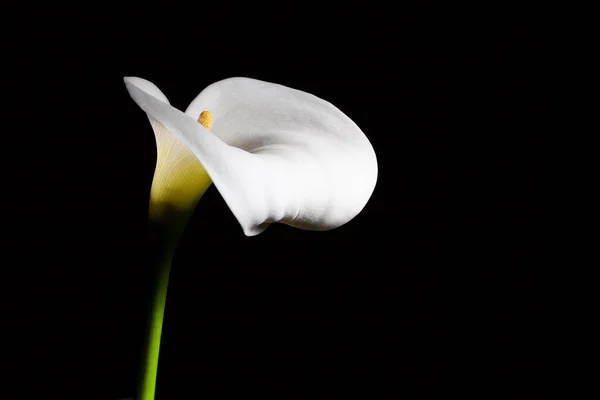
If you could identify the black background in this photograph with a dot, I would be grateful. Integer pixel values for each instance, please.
(433, 288)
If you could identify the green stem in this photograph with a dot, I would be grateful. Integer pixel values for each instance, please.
(157, 312)
(166, 227)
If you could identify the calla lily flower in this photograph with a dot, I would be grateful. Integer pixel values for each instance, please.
(275, 154)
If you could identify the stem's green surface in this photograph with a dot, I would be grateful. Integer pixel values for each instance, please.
(166, 226)
(157, 312)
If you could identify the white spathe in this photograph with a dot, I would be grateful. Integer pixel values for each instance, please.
(275, 154)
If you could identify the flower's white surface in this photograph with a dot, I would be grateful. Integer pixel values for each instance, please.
(275, 154)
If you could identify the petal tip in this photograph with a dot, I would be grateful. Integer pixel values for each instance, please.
(255, 230)
(146, 86)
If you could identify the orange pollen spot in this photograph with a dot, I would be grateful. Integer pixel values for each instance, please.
(205, 119)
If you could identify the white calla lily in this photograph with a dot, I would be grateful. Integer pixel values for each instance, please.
(275, 154)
